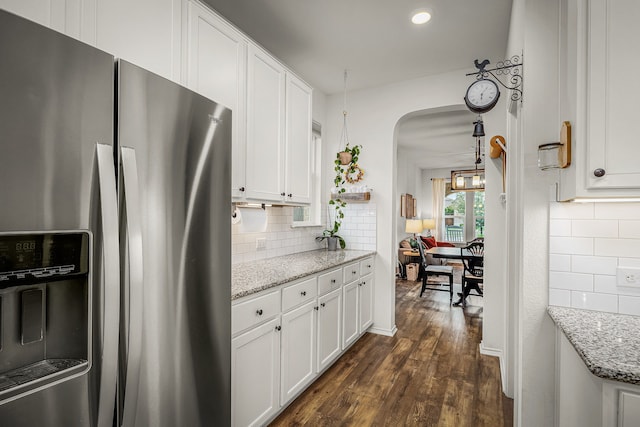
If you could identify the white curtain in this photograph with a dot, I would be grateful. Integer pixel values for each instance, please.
(439, 188)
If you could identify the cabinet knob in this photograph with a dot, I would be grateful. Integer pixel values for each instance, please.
(599, 172)
(241, 189)
(259, 312)
(290, 195)
(353, 272)
(333, 280)
(282, 194)
(278, 328)
(369, 266)
(360, 284)
(315, 308)
(303, 293)
(322, 304)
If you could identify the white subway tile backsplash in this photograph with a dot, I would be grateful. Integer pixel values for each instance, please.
(629, 262)
(560, 297)
(594, 301)
(571, 245)
(571, 281)
(559, 262)
(617, 247)
(629, 305)
(630, 229)
(602, 236)
(594, 228)
(571, 210)
(594, 265)
(616, 210)
(560, 227)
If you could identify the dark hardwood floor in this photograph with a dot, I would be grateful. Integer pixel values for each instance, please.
(429, 374)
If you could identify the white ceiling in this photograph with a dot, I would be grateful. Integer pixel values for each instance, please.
(439, 139)
(377, 43)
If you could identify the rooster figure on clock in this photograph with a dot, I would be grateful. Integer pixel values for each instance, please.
(483, 94)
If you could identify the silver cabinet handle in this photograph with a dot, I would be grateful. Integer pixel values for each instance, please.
(111, 284)
(132, 237)
(599, 173)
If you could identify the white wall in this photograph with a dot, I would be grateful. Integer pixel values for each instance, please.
(535, 26)
(373, 116)
(408, 182)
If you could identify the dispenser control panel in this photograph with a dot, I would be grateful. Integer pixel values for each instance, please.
(37, 256)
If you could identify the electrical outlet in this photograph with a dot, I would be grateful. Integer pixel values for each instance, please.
(261, 243)
(628, 276)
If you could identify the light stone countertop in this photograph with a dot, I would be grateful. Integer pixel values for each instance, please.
(608, 343)
(251, 277)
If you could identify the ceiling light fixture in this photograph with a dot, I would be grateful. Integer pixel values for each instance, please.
(420, 18)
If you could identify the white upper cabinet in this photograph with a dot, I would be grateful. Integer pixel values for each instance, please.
(298, 143)
(217, 64)
(597, 48)
(265, 127)
(144, 32)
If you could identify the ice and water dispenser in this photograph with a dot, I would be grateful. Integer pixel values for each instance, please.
(44, 309)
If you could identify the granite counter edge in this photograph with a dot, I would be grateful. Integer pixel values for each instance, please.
(593, 366)
(287, 279)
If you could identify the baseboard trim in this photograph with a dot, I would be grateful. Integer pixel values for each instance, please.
(385, 332)
(496, 352)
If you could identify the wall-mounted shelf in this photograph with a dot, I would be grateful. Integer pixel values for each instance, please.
(353, 197)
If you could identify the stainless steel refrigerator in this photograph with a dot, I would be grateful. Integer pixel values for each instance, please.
(114, 240)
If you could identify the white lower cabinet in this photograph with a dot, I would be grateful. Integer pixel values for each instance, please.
(298, 350)
(585, 400)
(329, 323)
(284, 337)
(365, 304)
(349, 314)
(255, 374)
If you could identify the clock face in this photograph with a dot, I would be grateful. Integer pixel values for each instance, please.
(482, 96)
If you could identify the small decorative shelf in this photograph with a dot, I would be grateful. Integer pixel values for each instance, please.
(353, 197)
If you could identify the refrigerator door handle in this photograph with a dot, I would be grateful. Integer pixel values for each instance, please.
(130, 191)
(111, 282)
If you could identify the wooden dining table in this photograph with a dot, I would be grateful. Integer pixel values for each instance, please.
(451, 253)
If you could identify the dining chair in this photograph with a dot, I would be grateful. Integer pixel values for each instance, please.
(435, 270)
(473, 273)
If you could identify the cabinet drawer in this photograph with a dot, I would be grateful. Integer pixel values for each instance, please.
(366, 266)
(351, 272)
(327, 282)
(299, 293)
(254, 311)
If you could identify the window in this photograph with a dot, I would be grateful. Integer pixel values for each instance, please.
(307, 216)
(462, 208)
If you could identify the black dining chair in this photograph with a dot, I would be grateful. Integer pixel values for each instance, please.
(473, 273)
(435, 270)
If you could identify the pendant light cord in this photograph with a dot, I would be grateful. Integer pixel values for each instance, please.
(344, 138)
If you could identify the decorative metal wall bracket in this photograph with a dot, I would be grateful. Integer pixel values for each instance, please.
(511, 69)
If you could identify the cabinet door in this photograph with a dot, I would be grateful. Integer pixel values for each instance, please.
(612, 104)
(365, 304)
(298, 350)
(255, 374)
(265, 127)
(145, 32)
(329, 324)
(298, 141)
(217, 63)
(629, 409)
(349, 314)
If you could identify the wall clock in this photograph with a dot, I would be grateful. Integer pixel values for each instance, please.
(482, 95)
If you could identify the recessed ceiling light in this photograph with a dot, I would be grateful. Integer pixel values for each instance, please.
(421, 18)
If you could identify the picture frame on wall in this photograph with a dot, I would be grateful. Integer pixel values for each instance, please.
(408, 206)
(403, 205)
